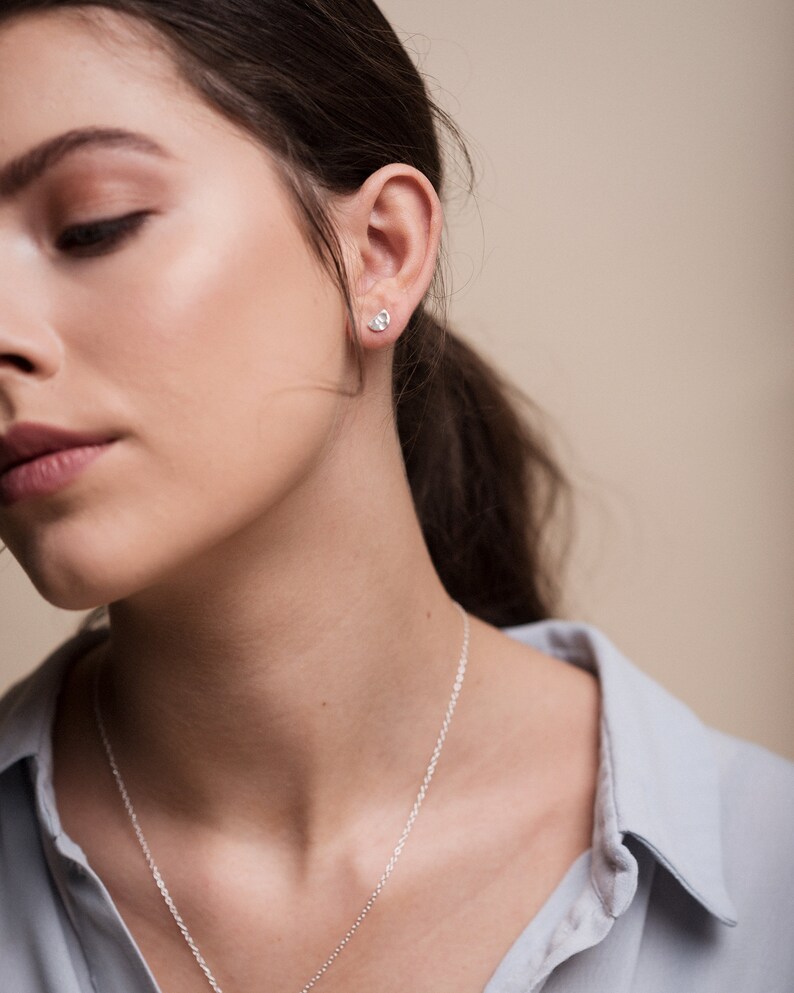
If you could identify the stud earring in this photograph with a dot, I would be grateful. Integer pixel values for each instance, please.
(381, 322)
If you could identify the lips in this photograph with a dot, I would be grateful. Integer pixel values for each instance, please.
(37, 460)
(27, 441)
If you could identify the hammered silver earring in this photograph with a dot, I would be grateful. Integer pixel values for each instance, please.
(381, 322)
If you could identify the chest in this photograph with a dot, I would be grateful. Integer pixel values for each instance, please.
(445, 931)
(500, 832)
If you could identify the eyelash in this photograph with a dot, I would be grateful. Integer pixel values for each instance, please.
(99, 237)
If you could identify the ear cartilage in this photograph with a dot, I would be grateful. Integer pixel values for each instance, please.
(381, 322)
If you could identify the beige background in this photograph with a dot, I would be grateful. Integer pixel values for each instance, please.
(629, 262)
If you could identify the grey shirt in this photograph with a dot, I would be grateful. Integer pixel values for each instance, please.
(687, 888)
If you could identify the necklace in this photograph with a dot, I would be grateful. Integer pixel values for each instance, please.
(464, 657)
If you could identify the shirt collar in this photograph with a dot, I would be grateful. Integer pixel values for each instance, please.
(662, 764)
(28, 708)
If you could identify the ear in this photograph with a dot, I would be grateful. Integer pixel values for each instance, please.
(392, 230)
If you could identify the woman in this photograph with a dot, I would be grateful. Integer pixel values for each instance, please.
(227, 414)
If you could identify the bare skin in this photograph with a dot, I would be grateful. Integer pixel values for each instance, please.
(281, 649)
(508, 812)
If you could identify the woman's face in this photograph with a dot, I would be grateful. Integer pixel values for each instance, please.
(203, 336)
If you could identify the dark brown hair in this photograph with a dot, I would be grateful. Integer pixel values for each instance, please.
(327, 86)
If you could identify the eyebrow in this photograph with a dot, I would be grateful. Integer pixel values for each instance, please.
(22, 171)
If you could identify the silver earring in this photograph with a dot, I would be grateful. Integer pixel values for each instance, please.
(381, 322)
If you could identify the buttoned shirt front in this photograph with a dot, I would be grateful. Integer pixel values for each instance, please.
(688, 886)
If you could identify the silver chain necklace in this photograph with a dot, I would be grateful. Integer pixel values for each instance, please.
(464, 657)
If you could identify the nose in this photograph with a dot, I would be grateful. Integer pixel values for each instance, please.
(32, 352)
(29, 347)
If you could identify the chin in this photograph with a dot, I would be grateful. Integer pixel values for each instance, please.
(73, 590)
(76, 575)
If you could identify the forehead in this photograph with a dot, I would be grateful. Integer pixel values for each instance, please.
(66, 69)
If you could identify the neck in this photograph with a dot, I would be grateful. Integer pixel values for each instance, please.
(293, 680)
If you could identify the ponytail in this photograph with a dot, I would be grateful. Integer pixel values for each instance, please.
(485, 485)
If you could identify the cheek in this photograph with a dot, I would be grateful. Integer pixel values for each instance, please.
(217, 318)
(225, 357)
(214, 303)
(252, 347)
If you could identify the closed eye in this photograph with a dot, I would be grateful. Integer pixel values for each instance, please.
(99, 237)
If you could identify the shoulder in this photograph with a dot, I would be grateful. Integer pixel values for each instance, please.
(751, 766)
(757, 821)
(699, 820)
(752, 837)
(701, 799)
(752, 771)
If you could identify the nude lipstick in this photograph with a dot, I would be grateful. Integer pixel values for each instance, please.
(36, 459)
